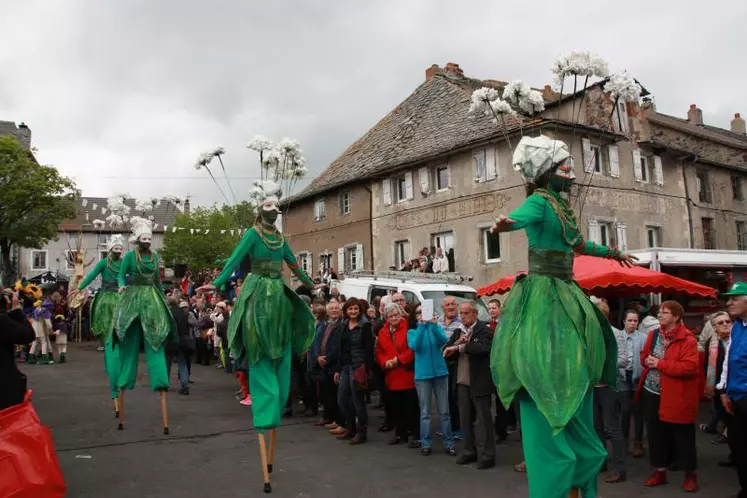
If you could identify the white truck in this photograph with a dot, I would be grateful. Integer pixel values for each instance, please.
(415, 287)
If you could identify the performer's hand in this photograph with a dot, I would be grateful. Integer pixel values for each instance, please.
(122, 289)
(502, 224)
(727, 404)
(626, 259)
(337, 378)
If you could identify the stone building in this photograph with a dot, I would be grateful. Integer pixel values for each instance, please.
(438, 177)
(53, 257)
(22, 132)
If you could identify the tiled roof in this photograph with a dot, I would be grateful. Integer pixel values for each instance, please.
(23, 135)
(94, 208)
(432, 121)
(719, 135)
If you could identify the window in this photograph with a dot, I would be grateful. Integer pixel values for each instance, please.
(709, 234)
(320, 211)
(645, 171)
(596, 159)
(351, 259)
(38, 260)
(485, 164)
(304, 261)
(442, 178)
(325, 261)
(103, 239)
(400, 188)
(491, 246)
(444, 240)
(653, 236)
(620, 117)
(741, 236)
(736, 188)
(69, 260)
(103, 254)
(401, 253)
(345, 207)
(703, 184)
(606, 234)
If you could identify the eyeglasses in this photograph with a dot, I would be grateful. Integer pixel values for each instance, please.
(723, 322)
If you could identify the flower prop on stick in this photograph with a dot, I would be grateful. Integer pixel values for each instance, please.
(282, 163)
(203, 161)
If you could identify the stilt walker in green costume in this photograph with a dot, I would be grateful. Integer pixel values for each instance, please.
(143, 315)
(269, 321)
(553, 345)
(103, 310)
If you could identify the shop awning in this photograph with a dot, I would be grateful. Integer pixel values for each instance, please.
(598, 276)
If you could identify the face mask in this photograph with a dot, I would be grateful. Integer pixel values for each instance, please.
(116, 254)
(269, 217)
(144, 245)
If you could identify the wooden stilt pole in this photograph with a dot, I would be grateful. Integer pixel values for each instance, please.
(263, 458)
(574, 493)
(116, 407)
(121, 409)
(164, 413)
(271, 457)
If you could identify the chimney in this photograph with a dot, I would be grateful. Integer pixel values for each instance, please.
(737, 124)
(549, 94)
(695, 115)
(452, 69)
(431, 71)
(24, 135)
(186, 206)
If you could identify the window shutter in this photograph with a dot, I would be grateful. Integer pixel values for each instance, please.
(637, 172)
(658, 171)
(341, 259)
(359, 257)
(478, 158)
(595, 233)
(310, 260)
(448, 174)
(622, 236)
(425, 180)
(587, 155)
(622, 111)
(408, 186)
(386, 187)
(614, 156)
(491, 164)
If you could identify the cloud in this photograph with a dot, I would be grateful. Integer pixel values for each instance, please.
(124, 95)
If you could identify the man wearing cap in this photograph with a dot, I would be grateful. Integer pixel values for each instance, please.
(733, 385)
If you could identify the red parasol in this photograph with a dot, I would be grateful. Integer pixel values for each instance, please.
(599, 276)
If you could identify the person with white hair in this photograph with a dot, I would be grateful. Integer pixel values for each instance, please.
(104, 307)
(272, 324)
(548, 318)
(143, 315)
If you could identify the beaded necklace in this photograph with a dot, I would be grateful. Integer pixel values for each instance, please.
(565, 215)
(113, 266)
(144, 264)
(266, 233)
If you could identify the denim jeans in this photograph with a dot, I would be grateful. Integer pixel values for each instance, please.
(607, 424)
(183, 370)
(438, 386)
(352, 401)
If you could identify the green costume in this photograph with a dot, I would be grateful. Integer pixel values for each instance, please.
(269, 321)
(103, 310)
(143, 314)
(551, 347)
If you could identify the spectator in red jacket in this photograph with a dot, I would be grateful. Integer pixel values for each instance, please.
(398, 361)
(669, 386)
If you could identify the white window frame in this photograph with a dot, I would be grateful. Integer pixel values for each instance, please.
(645, 170)
(445, 234)
(351, 258)
(400, 258)
(345, 203)
(103, 255)
(68, 253)
(46, 259)
(320, 210)
(609, 227)
(484, 235)
(596, 156)
(485, 164)
(438, 168)
(741, 244)
(305, 261)
(325, 260)
(738, 192)
(656, 231)
(400, 196)
(105, 239)
(699, 185)
(620, 118)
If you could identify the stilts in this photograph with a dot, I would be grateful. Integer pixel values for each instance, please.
(574, 493)
(121, 409)
(164, 414)
(116, 407)
(271, 456)
(263, 458)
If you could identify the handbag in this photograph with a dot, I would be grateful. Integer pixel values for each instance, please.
(360, 377)
(187, 343)
(28, 462)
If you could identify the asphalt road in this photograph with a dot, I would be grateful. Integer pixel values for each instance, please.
(212, 450)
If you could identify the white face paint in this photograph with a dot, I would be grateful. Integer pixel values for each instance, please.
(565, 170)
(269, 206)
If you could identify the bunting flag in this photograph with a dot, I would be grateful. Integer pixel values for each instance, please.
(155, 225)
(95, 206)
(192, 231)
(207, 231)
(84, 202)
(222, 232)
(103, 210)
(165, 228)
(198, 230)
(173, 230)
(231, 232)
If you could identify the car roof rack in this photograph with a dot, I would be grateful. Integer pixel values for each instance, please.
(406, 276)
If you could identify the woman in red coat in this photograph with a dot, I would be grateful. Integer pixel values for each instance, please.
(669, 387)
(398, 362)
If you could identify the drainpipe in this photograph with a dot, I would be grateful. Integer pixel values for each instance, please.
(370, 226)
(688, 201)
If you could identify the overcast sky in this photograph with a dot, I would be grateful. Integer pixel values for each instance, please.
(123, 95)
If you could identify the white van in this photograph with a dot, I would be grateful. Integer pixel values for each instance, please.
(415, 287)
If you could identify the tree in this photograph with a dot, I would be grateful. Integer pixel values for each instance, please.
(206, 250)
(34, 201)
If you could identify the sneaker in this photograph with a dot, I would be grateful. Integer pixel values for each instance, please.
(246, 401)
(511, 429)
(426, 452)
(100, 348)
(458, 435)
(414, 444)
(451, 452)
(658, 478)
(691, 483)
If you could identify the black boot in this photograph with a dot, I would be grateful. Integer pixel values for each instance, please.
(361, 436)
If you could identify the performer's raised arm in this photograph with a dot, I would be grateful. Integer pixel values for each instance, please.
(242, 250)
(93, 274)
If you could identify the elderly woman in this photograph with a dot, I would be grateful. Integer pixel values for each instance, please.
(397, 360)
(716, 347)
(669, 388)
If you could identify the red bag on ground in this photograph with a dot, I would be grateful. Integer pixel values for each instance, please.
(28, 462)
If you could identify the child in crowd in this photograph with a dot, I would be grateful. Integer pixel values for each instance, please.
(61, 332)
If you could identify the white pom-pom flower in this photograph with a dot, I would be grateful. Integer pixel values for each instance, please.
(480, 99)
(203, 160)
(515, 91)
(218, 151)
(259, 143)
(532, 103)
(579, 63)
(98, 224)
(622, 86)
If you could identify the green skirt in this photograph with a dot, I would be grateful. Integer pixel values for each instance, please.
(103, 310)
(146, 303)
(554, 343)
(266, 318)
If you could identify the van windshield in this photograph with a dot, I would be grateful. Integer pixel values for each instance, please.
(461, 296)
